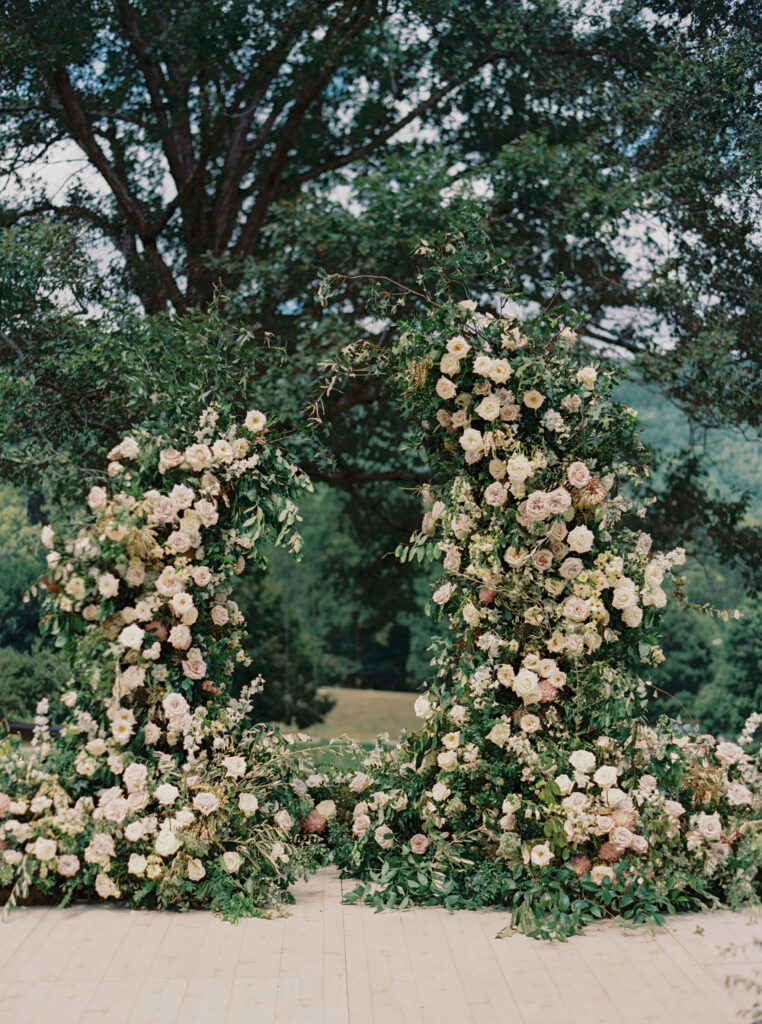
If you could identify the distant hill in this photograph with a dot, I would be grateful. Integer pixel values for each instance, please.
(735, 463)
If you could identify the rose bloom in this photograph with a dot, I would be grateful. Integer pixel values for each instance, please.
(444, 419)
(533, 399)
(174, 705)
(445, 388)
(134, 777)
(578, 474)
(136, 574)
(729, 753)
(621, 836)
(582, 760)
(166, 793)
(587, 376)
(46, 536)
(222, 450)
(137, 864)
(207, 512)
(525, 685)
(458, 346)
(601, 872)
(739, 795)
(489, 408)
(558, 501)
(105, 887)
(444, 593)
(606, 776)
(360, 824)
(205, 803)
(255, 421)
(384, 837)
(108, 585)
(639, 844)
(179, 542)
(419, 844)
(201, 575)
(169, 458)
(571, 403)
(580, 539)
(180, 638)
(67, 865)
(181, 603)
(440, 792)
(198, 457)
(220, 615)
(194, 669)
(447, 760)
(166, 843)
(181, 497)
(168, 583)
(542, 560)
(632, 616)
(541, 855)
(514, 558)
(530, 723)
(500, 371)
(44, 849)
(97, 499)
(576, 609)
(537, 507)
(360, 780)
(449, 364)
(235, 767)
(196, 870)
(152, 733)
(495, 494)
(471, 441)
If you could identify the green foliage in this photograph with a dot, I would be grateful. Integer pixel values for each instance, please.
(22, 563)
(26, 677)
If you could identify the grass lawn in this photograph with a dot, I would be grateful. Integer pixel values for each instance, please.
(364, 714)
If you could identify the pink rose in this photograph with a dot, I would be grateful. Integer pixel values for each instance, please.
(495, 494)
(419, 844)
(578, 474)
(5, 803)
(163, 510)
(576, 609)
(220, 615)
(207, 512)
(542, 560)
(194, 669)
(571, 568)
(201, 575)
(537, 507)
(621, 836)
(67, 865)
(179, 542)
(559, 500)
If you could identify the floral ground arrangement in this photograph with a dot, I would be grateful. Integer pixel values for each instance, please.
(158, 791)
(534, 781)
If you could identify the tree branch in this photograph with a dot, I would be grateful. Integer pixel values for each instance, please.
(269, 181)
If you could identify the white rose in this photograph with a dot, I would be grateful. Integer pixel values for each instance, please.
(632, 616)
(97, 499)
(327, 808)
(606, 776)
(44, 849)
(255, 422)
(582, 761)
(580, 539)
(578, 474)
(527, 686)
(471, 441)
(232, 860)
(440, 792)
(132, 637)
(587, 376)
(196, 870)
(166, 793)
(137, 864)
(564, 784)
(488, 408)
(166, 843)
(541, 855)
(206, 803)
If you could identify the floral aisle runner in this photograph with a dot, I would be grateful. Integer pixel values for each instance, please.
(156, 792)
(533, 781)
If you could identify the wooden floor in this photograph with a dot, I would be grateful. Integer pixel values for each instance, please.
(332, 964)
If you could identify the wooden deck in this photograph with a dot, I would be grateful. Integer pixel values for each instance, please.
(331, 964)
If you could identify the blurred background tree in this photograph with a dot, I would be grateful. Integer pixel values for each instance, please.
(176, 177)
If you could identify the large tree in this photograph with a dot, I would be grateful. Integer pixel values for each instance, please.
(249, 143)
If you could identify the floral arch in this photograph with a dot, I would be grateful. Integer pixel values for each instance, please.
(535, 780)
